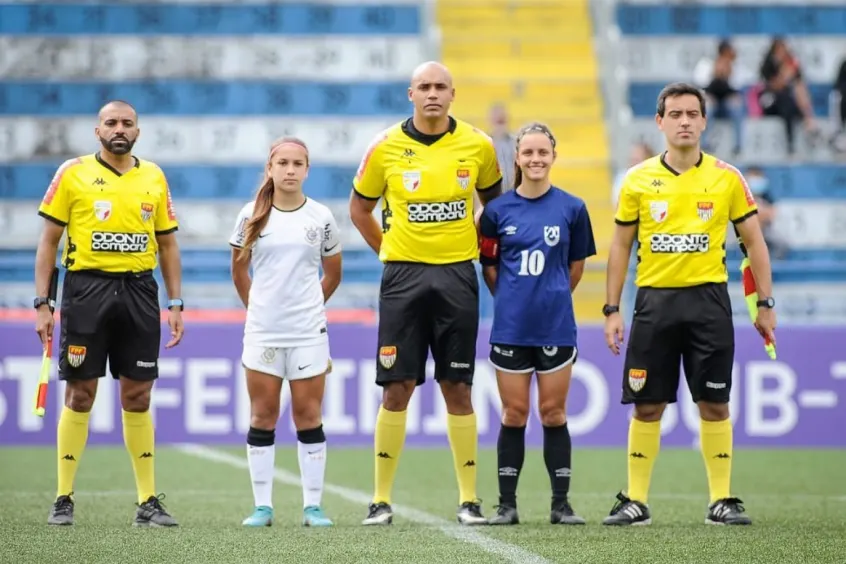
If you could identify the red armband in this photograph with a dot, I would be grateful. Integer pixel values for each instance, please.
(489, 247)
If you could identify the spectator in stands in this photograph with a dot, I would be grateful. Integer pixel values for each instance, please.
(723, 97)
(639, 152)
(785, 93)
(504, 143)
(839, 140)
(759, 186)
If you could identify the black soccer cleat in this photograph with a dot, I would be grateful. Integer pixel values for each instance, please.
(628, 512)
(379, 514)
(727, 511)
(62, 511)
(505, 515)
(470, 513)
(152, 513)
(562, 514)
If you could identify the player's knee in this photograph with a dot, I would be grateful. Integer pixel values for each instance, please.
(552, 414)
(396, 395)
(649, 412)
(136, 398)
(264, 413)
(515, 414)
(458, 398)
(713, 411)
(79, 396)
(307, 414)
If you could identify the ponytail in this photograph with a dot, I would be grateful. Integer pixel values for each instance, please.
(264, 201)
(535, 127)
(518, 175)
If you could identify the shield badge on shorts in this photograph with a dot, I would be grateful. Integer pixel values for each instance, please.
(268, 355)
(551, 234)
(637, 379)
(146, 212)
(705, 210)
(102, 210)
(76, 355)
(463, 177)
(387, 357)
(411, 180)
(658, 210)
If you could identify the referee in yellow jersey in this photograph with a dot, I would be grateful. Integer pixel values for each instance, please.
(426, 170)
(118, 214)
(679, 205)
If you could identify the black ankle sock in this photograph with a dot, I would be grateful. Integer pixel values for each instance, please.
(557, 453)
(511, 450)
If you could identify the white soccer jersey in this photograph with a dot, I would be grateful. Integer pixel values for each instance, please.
(286, 306)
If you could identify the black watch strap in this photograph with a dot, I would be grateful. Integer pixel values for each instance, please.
(609, 309)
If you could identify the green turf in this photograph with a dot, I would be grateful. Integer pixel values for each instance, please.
(797, 498)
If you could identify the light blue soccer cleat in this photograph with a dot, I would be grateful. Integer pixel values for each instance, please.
(313, 517)
(261, 517)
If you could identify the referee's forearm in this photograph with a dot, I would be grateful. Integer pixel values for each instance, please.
(759, 262)
(45, 262)
(370, 230)
(171, 270)
(618, 264)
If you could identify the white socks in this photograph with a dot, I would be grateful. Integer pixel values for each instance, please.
(262, 464)
(312, 458)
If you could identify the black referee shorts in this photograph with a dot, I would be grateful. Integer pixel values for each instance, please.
(672, 326)
(426, 307)
(109, 316)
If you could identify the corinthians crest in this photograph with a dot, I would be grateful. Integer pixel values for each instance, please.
(705, 210)
(312, 235)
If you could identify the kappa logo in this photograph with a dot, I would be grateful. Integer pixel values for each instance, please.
(551, 234)
(656, 183)
(99, 182)
(705, 210)
(658, 210)
(76, 355)
(411, 180)
(102, 210)
(463, 177)
(146, 212)
(409, 153)
(637, 379)
(387, 357)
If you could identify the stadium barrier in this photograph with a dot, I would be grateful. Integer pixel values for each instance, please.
(201, 397)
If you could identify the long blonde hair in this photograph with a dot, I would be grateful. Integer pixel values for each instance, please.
(264, 200)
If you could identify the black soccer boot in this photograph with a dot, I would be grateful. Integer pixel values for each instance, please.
(152, 513)
(562, 514)
(628, 512)
(379, 514)
(727, 511)
(62, 511)
(506, 514)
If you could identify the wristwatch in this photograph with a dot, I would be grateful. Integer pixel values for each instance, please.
(176, 303)
(38, 302)
(609, 309)
(768, 303)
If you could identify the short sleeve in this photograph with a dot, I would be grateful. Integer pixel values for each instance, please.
(742, 201)
(489, 173)
(239, 234)
(331, 237)
(582, 243)
(488, 238)
(628, 204)
(369, 181)
(165, 214)
(56, 203)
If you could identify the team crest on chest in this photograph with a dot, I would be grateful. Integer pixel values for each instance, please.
(551, 234)
(102, 210)
(146, 212)
(312, 234)
(411, 180)
(658, 210)
(705, 210)
(463, 176)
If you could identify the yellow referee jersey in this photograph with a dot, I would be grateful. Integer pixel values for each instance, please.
(683, 219)
(112, 219)
(426, 184)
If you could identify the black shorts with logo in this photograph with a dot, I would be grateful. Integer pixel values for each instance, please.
(672, 326)
(524, 360)
(109, 316)
(426, 307)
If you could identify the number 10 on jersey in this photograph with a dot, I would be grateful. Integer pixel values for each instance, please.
(531, 263)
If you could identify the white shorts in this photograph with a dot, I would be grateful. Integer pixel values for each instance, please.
(292, 363)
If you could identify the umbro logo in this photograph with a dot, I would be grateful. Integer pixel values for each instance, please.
(470, 463)
(146, 455)
(99, 182)
(408, 153)
(722, 455)
(657, 183)
(69, 457)
(383, 454)
(637, 455)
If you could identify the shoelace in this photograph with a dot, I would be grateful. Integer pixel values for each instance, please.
(64, 507)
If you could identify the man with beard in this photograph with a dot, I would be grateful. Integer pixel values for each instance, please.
(119, 215)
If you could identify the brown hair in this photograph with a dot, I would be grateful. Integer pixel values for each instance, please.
(679, 89)
(264, 200)
(535, 127)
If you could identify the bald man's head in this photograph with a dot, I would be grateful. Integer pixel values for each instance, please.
(431, 90)
(118, 127)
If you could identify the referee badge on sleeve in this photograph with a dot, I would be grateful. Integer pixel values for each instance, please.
(387, 357)
(658, 210)
(637, 379)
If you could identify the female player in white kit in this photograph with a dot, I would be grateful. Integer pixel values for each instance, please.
(286, 238)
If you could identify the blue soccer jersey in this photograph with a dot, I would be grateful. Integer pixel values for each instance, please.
(533, 242)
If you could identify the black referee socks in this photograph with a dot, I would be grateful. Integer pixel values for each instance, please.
(557, 454)
(511, 451)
